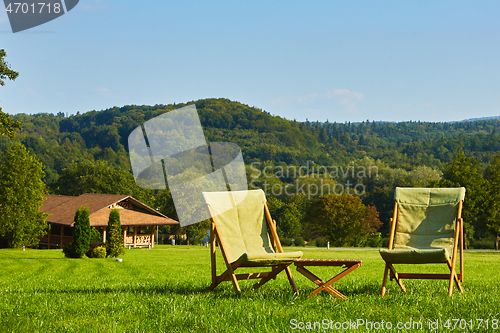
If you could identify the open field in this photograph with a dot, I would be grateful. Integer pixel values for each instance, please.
(162, 290)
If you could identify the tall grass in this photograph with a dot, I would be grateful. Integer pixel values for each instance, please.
(162, 290)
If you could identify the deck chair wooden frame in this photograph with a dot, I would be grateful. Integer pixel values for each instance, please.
(229, 274)
(453, 276)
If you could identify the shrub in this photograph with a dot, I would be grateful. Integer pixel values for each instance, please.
(99, 252)
(68, 251)
(299, 241)
(321, 242)
(286, 241)
(483, 243)
(114, 238)
(374, 240)
(95, 236)
(81, 234)
(385, 242)
(92, 246)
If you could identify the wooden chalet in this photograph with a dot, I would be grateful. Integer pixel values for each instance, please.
(138, 221)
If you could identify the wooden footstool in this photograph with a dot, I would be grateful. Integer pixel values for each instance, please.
(349, 266)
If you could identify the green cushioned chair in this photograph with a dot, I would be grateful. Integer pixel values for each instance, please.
(247, 237)
(426, 228)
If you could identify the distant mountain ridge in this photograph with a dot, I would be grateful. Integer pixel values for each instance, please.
(477, 119)
(59, 140)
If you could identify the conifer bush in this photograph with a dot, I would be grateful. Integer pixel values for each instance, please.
(81, 234)
(114, 238)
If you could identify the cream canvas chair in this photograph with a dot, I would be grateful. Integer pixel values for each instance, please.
(426, 228)
(246, 235)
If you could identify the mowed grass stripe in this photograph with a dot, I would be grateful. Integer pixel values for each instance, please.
(162, 290)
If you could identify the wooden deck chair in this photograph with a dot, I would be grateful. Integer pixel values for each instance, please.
(247, 237)
(426, 227)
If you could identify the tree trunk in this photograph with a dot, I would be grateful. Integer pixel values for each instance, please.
(496, 242)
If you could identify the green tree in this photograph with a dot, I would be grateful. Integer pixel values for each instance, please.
(81, 232)
(465, 172)
(288, 219)
(114, 237)
(492, 203)
(21, 189)
(7, 126)
(196, 232)
(343, 220)
(99, 177)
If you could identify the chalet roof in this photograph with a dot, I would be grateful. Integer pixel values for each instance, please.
(61, 209)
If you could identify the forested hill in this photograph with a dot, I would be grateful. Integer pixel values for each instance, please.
(58, 140)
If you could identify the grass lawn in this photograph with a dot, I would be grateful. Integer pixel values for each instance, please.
(162, 290)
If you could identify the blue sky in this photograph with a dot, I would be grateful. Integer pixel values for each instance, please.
(335, 60)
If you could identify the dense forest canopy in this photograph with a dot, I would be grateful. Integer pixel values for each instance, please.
(409, 153)
(102, 135)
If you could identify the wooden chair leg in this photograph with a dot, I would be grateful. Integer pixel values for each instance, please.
(235, 284)
(290, 279)
(218, 279)
(450, 287)
(384, 281)
(396, 276)
(212, 286)
(234, 280)
(453, 277)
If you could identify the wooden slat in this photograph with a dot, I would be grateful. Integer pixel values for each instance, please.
(212, 249)
(326, 262)
(272, 227)
(454, 255)
(393, 225)
(460, 225)
(424, 276)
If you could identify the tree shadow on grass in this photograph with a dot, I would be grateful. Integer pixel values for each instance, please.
(35, 258)
(276, 293)
(152, 290)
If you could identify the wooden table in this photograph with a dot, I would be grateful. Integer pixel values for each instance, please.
(349, 265)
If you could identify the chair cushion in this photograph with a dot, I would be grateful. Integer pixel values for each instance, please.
(415, 256)
(270, 258)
